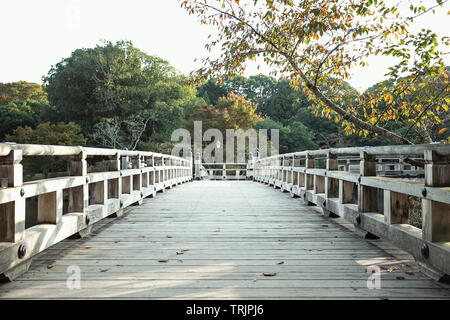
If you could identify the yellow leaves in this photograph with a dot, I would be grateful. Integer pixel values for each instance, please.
(442, 130)
(404, 104)
(388, 98)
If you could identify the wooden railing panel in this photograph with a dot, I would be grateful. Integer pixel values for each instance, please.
(356, 197)
(132, 176)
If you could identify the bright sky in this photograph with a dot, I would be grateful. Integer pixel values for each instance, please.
(37, 34)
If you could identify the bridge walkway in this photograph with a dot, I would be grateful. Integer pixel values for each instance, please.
(222, 240)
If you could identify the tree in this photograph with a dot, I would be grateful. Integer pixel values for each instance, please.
(293, 137)
(116, 83)
(315, 43)
(21, 90)
(231, 112)
(20, 113)
(51, 134)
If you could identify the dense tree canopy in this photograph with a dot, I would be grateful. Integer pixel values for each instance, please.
(231, 112)
(316, 43)
(117, 88)
(21, 90)
(65, 134)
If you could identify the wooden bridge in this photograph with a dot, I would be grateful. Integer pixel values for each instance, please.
(324, 236)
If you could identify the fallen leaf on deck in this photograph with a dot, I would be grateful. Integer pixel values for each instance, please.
(104, 270)
(409, 273)
(163, 260)
(169, 237)
(392, 269)
(180, 252)
(184, 250)
(281, 262)
(324, 225)
(87, 247)
(119, 265)
(282, 240)
(269, 274)
(400, 278)
(49, 266)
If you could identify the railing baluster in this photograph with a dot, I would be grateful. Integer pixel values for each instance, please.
(436, 215)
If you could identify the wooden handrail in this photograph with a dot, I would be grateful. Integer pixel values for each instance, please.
(355, 197)
(144, 174)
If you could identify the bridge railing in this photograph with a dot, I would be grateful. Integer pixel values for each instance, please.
(129, 177)
(224, 170)
(379, 206)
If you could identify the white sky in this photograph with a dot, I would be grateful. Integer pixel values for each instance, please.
(37, 34)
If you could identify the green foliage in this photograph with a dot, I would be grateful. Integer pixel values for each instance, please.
(231, 112)
(20, 113)
(293, 137)
(21, 90)
(118, 83)
(49, 134)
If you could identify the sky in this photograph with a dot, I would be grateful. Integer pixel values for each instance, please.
(38, 34)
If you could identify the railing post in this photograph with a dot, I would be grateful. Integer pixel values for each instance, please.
(367, 196)
(436, 215)
(114, 185)
(396, 207)
(12, 214)
(331, 185)
(309, 179)
(79, 196)
(197, 166)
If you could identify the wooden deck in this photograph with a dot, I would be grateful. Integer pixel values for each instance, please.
(223, 240)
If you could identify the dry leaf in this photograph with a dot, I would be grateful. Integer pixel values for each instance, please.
(163, 260)
(324, 225)
(281, 262)
(49, 266)
(184, 250)
(169, 237)
(104, 270)
(400, 278)
(409, 273)
(180, 252)
(392, 269)
(269, 274)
